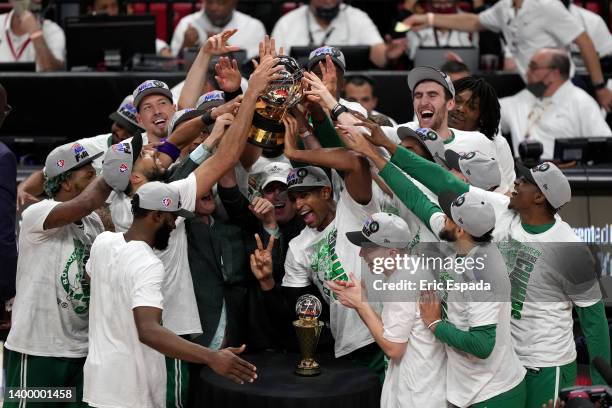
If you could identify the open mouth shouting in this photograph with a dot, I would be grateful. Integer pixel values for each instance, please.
(426, 117)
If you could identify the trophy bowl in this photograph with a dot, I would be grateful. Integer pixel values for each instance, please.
(267, 130)
(308, 330)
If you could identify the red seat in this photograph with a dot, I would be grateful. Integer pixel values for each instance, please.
(159, 11)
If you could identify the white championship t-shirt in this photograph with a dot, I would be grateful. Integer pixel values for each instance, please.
(120, 371)
(51, 309)
(542, 297)
(181, 310)
(316, 256)
(419, 378)
(471, 379)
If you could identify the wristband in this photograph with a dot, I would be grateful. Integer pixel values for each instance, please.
(170, 149)
(599, 85)
(306, 134)
(36, 34)
(434, 322)
(207, 118)
(337, 111)
(272, 231)
(200, 153)
(430, 19)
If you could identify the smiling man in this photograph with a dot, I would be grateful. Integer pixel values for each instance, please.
(153, 102)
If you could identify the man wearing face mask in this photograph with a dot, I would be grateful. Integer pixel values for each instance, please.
(30, 38)
(215, 17)
(331, 22)
(550, 106)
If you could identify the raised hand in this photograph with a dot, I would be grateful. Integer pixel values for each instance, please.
(265, 73)
(376, 136)
(226, 362)
(264, 211)
(395, 47)
(319, 91)
(218, 130)
(228, 75)
(354, 140)
(191, 38)
(329, 77)
(417, 22)
(228, 107)
(291, 130)
(348, 293)
(261, 263)
(217, 44)
(430, 308)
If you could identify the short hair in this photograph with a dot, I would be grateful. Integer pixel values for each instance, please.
(486, 238)
(360, 80)
(136, 210)
(490, 111)
(453, 67)
(52, 185)
(561, 62)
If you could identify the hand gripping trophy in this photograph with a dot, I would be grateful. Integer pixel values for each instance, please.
(308, 329)
(281, 95)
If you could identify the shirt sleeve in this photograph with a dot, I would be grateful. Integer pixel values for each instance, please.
(594, 325)
(34, 219)
(591, 120)
(147, 286)
(398, 318)
(187, 191)
(493, 18)
(367, 31)
(177, 37)
(506, 162)
(563, 26)
(55, 39)
(297, 272)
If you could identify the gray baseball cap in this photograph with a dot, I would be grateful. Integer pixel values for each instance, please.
(275, 171)
(420, 74)
(158, 196)
(119, 162)
(182, 116)
(69, 156)
(469, 211)
(428, 139)
(126, 116)
(320, 53)
(307, 178)
(480, 170)
(383, 229)
(550, 180)
(210, 100)
(150, 87)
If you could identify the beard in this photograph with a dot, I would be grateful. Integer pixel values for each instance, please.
(162, 237)
(447, 235)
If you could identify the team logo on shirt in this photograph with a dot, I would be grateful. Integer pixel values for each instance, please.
(60, 163)
(123, 168)
(73, 281)
(166, 202)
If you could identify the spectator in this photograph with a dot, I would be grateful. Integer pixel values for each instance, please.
(597, 29)
(8, 198)
(527, 27)
(436, 37)
(333, 22)
(30, 38)
(362, 89)
(455, 70)
(217, 16)
(551, 106)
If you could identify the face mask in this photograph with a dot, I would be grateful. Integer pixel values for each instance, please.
(218, 22)
(537, 88)
(327, 13)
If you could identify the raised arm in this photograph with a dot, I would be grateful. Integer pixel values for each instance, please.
(459, 21)
(591, 60)
(30, 189)
(92, 198)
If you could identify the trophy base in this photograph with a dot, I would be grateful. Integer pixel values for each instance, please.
(308, 368)
(266, 133)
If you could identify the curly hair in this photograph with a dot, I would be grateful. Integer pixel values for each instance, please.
(488, 121)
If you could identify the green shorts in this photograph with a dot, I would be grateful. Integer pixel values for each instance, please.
(26, 371)
(544, 384)
(514, 398)
(177, 383)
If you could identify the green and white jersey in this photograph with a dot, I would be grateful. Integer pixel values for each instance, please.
(470, 379)
(316, 256)
(544, 286)
(51, 309)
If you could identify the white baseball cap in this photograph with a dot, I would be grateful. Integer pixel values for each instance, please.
(385, 230)
(275, 171)
(480, 170)
(158, 196)
(470, 211)
(550, 180)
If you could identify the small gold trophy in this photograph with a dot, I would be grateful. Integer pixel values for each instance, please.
(268, 130)
(308, 329)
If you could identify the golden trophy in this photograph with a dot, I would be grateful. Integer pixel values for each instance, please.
(308, 329)
(267, 130)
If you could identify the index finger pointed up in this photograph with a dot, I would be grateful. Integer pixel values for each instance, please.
(258, 240)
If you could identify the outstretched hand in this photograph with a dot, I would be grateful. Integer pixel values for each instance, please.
(217, 44)
(261, 263)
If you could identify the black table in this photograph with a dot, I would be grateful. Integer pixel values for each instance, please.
(340, 384)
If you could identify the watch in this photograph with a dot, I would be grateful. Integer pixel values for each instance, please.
(337, 111)
(599, 85)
